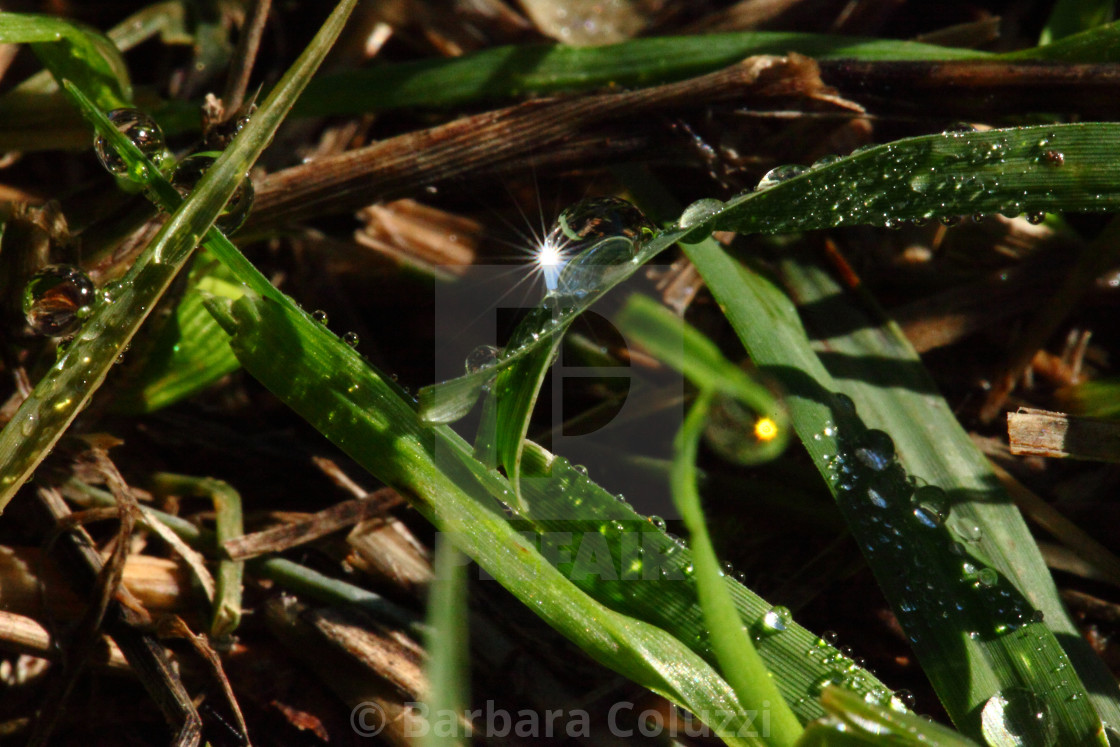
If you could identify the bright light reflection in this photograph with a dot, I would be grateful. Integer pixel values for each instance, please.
(550, 259)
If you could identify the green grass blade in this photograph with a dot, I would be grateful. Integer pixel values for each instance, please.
(1010, 171)
(934, 447)
(549, 68)
(731, 644)
(917, 553)
(446, 643)
(506, 423)
(1072, 16)
(226, 613)
(329, 385)
(68, 386)
(73, 52)
(189, 353)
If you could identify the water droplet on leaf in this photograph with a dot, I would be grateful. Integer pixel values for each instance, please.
(776, 620)
(320, 316)
(595, 238)
(351, 339)
(699, 211)
(57, 299)
(778, 175)
(144, 133)
(482, 357)
(876, 450)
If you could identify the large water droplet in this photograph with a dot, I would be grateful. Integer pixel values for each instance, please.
(930, 507)
(876, 450)
(658, 522)
(778, 175)
(189, 173)
(699, 211)
(320, 316)
(351, 339)
(776, 620)
(57, 299)
(144, 133)
(482, 357)
(593, 239)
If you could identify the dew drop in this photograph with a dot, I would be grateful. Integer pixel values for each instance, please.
(776, 620)
(779, 174)
(903, 700)
(987, 578)
(876, 498)
(930, 506)
(658, 522)
(144, 133)
(966, 529)
(320, 316)
(351, 339)
(482, 357)
(843, 404)
(830, 637)
(189, 173)
(57, 299)
(591, 241)
(699, 211)
(1036, 218)
(876, 450)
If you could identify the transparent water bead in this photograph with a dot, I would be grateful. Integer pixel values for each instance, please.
(779, 174)
(482, 357)
(57, 299)
(699, 211)
(351, 339)
(930, 506)
(876, 450)
(776, 620)
(320, 316)
(189, 173)
(592, 238)
(144, 133)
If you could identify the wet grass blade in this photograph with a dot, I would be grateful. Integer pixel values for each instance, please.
(329, 385)
(80, 370)
(941, 556)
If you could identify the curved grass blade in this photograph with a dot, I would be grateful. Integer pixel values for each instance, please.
(81, 369)
(683, 347)
(72, 52)
(330, 386)
(957, 621)
(1011, 171)
(738, 659)
(357, 408)
(189, 353)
